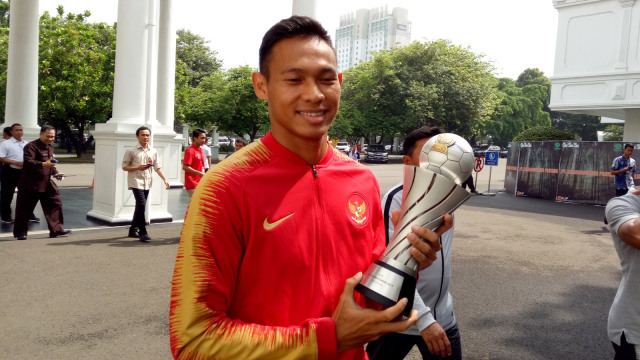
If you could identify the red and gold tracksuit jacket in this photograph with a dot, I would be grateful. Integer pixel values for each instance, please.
(267, 245)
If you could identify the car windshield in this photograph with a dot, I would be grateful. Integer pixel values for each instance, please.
(379, 148)
(343, 144)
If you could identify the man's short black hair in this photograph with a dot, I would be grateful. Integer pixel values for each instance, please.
(292, 27)
(196, 133)
(241, 140)
(46, 128)
(410, 140)
(628, 146)
(14, 125)
(7, 131)
(142, 128)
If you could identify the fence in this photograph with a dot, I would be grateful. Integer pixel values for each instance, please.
(575, 171)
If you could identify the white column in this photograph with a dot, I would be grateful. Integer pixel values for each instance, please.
(113, 202)
(22, 68)
(172, 163)
(631, 126)
(129, 87)
(166, 64)
(304, 8)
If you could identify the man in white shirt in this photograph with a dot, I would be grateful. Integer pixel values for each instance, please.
(139, 162)
(11, 156)
(206, 150)
(623, 327)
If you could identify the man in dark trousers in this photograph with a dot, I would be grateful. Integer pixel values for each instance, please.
(36, 184)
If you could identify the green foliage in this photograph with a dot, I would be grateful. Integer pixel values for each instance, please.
(227, 100)
(585, 126)
(76, 68)
(519, 108)
(434, 83)
(195, 58)
(544, 133)
(4, 13)
(613, 133)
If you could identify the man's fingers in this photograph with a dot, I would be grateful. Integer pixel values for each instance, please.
(446, 224)
(447, 347)
(350, 285)
(395, 214)
(388, 315)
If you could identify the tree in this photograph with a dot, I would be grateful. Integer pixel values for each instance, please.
(194, 55)
(401, 89)
(4, 13)
(522, 104)
(77, 63)
(544, 133)
(228, 101)
(613, 133)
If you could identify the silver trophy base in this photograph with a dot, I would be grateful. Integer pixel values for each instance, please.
(385, 283)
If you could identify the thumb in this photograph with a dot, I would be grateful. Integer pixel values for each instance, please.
(352, 282)
(395, 215)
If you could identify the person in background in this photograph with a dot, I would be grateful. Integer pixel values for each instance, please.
(469, 183)
(436, 332)
(6, 133)
(206, 151)
(36, 184)
(240, 143)
(139, 161)
(623, 327)
(11, 156)
(354, 153)
(193, 162)
(623, 168)
(271, 251)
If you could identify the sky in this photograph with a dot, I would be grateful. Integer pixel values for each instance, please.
(512, 34)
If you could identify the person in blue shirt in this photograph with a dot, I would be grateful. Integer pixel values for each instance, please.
(622, 169)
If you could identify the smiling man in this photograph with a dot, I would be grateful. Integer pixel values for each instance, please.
(36, 184)
(270, 237)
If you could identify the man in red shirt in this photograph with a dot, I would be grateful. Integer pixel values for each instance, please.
(193, 163)
(276, 236)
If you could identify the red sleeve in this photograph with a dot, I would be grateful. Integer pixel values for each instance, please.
(204, 280)
(188, 156)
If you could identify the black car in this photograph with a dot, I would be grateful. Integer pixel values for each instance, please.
(377, 153)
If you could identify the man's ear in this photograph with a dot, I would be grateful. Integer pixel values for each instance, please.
(406, 160)
(260, 85)
(340, 78)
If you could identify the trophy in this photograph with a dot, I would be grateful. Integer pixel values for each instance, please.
(429, 192)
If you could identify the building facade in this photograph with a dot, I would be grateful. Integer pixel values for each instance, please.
(361, 34)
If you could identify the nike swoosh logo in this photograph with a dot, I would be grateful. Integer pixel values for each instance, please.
(270, 226)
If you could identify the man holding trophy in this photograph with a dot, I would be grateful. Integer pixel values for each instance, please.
(273, 233)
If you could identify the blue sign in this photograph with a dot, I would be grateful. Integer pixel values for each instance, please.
(491, 158)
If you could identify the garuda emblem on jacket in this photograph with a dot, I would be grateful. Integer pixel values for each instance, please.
(358, 210)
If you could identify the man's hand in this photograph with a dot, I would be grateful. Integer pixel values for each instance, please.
(166, 184)
(48, 164)
(425, 242)
(356, 326)
(437, 340)
(142, 167)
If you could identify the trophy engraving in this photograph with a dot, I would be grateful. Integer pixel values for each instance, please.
(429, 192)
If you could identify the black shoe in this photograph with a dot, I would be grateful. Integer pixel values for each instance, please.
(134, 234)
(34, 219)
(62, 233)
(145, 237)
(7, 221)
(21, 237)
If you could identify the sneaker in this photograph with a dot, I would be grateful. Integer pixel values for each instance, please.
(144, 237)
(7, 221)
(34, 219)
(21, 237)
